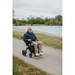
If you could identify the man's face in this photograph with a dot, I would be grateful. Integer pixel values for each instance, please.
(29, 29)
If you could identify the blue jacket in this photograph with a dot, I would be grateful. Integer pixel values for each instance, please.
(29, 35)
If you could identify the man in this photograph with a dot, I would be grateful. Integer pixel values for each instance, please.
(30, 36)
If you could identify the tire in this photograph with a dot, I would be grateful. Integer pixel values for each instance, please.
(30, 55)
(24, 53)
(34, 55)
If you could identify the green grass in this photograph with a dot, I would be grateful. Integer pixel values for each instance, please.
(22, 68)
(50, 41)
(47, 40)
(17, 35)
(30, 24)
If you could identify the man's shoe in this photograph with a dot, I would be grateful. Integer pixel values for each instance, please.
(41, 53)
(37, 54)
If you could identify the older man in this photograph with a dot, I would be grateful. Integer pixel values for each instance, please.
(30, 36)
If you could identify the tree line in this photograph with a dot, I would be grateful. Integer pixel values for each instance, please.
(38, 20)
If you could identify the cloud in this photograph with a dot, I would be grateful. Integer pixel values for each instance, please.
(45, 8)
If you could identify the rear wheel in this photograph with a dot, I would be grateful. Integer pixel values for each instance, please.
(30, 55)
(34, 55)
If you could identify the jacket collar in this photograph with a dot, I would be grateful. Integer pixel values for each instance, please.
(29, 32)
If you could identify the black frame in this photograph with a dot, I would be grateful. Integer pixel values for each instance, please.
(31, 48)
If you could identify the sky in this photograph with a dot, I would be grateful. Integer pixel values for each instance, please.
(37, 8)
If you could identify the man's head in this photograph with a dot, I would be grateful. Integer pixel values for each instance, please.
(29, 29)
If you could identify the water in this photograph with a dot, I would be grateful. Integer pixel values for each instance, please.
(56, 30)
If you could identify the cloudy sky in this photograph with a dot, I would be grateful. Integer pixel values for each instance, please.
(37, 8)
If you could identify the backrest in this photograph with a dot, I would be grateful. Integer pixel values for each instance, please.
(26, 42)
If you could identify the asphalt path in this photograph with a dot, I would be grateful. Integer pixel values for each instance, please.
(51, 61)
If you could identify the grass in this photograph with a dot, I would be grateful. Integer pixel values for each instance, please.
(30, 24)
(22, 68)
(50, 41)
(17, 35)
(47, 40)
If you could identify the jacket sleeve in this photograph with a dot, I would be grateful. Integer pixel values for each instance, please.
(25, 38)
(35, 37)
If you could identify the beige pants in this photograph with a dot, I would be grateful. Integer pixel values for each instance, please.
(35, 46)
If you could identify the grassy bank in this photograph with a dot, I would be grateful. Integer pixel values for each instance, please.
(31, 25)
(22, 68)
(47, 40)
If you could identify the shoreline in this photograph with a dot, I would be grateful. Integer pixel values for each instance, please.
(35, 31)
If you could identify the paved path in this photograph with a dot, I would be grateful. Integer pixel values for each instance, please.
(50, 62)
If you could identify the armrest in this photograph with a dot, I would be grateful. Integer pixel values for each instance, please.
(28, 42)
(22, 37)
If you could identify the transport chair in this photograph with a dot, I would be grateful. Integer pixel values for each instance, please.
(30, 48)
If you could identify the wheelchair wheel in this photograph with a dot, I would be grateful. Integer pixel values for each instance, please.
(24, 53)
(30, 55)
(34, 55)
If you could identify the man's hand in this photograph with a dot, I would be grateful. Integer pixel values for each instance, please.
(29, 39)
(36, 41)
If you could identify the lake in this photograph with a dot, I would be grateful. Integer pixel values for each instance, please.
(56, 30)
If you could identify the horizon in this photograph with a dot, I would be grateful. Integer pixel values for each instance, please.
(35, 17)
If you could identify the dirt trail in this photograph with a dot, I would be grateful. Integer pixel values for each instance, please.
(50, 62)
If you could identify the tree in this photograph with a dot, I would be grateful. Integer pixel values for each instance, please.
(43, 21)
(57, 22)
(46, 23)
(20, 23)
(38, 20)
(46, 19)
(17, 23)
(58, 17)
(51, 21)
(14, 21)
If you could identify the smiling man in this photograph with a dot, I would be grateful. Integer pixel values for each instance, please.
(30, 36)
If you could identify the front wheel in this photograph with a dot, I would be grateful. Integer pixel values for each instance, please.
(24, 52)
